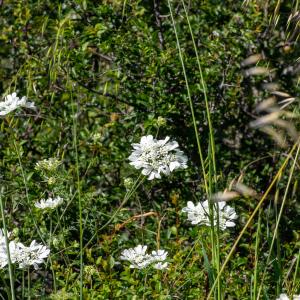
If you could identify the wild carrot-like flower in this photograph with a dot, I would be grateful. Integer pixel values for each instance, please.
(227, 216)
(157, 156)
(285, 297)
(12, 102)
(139, 259)
(49, 203)
(19, 253)
(158, 258)
(199, 214)
(13, 251)
(50, 164)
(32, 255)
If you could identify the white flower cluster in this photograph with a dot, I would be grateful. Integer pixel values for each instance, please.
(199, 214)
(50, 164)
(139, 259)
(157, 156)
(49, 203)
(19, 253)
(285, 297)
(12, 102)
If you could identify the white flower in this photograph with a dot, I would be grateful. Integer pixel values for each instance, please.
(285, 297)
(227, 215)
(32, 255)
(2, 237)
(157, 156)
(49, 203)
(13, 251)
(19, 253)
(50, 164)
(12, 102)
(199, 214)
(159, 255)
(137, 257)
(160, 266)
(158, 258)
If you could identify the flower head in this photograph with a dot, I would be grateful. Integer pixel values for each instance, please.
(13, 252)
(49, 203)
(199, 214)
(285, 297)
(158, 258)
(137, 257)
(19, 253)
(227, 215)
(12, 102)
(140, 259)
(50, 164)
(32, 255)
(157, 156)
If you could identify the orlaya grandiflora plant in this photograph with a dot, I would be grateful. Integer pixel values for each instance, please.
(156, 157)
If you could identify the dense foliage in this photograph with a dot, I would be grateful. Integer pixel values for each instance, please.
(102, 74)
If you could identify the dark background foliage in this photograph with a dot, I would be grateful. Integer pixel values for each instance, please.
(114, 65)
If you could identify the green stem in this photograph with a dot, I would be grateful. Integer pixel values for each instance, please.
(251, 218)
(74, 115)
(190, 101)
(257, 242)
(28, 282)
(11, 277)
(279, 218)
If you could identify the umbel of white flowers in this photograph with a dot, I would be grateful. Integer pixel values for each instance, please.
(285, 297)
(139, 259)
(49, 203)
(50, 164)
(19, 253)
(157, 156)
(199, 214)
(12, 102)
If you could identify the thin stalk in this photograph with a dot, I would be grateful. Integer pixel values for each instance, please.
(204, 90)
(279, 218)
(27, 198)
(11, 276)
(296, 273)
(74, 114)
(251, 218)
(190, 100)
(23, 284)
(26, 189)
(126, 198)
(257, 242)
(211, 153)
(28, 283)
(53, 272)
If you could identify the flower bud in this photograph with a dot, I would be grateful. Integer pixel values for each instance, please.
(161, 121)
(128, 183)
